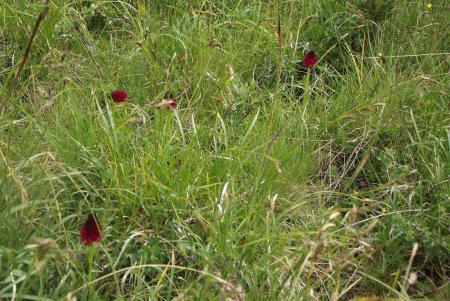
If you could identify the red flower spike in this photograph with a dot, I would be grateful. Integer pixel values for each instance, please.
(173, 105)
(119, 95)
(310, 59)
(91, 231)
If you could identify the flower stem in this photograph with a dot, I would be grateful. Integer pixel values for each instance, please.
(306, 92)
(90, 275)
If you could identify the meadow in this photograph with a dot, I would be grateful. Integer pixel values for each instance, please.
(224, 150)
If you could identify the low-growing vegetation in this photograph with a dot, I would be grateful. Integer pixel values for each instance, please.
(224, 150)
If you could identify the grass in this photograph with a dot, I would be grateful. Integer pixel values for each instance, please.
(263, 184)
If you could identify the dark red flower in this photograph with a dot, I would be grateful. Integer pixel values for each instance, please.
(173, 104)
(119, 95)
(310, 59)
(91, 231)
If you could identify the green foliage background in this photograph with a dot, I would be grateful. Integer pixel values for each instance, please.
(230, 195)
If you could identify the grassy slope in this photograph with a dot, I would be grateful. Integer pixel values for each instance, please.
(369, 139)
